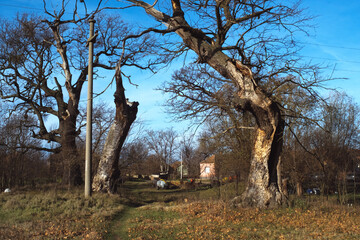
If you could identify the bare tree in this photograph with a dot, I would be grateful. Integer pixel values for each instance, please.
(103, 116)
(320, 154)
(231, 144)
(301, 118)
(298, 165)
(335, 141)
(133, 157)
(190, 155)
(31, 46)
(163, 145)
(250, 45)
(20, 163)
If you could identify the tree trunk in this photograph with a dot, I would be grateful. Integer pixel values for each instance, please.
(70, 156)
(299, 189)
(237, 175)
(108, 172)
(263, 186)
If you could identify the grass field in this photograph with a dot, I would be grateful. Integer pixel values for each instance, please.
(141, 212)
(56, 215)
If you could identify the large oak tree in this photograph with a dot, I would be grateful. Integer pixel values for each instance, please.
(250, 45)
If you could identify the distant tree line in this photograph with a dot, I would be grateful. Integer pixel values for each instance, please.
(324, 154)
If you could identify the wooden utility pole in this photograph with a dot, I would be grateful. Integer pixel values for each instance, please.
(88, 149)
(181, 169)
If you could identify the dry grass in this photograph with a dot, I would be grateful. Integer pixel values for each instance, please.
(56, 215)
(215, 220)
(168, 214)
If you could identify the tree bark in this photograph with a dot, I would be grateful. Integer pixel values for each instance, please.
(70, 156)
(108, 172)
(263, 187)
(299, 189)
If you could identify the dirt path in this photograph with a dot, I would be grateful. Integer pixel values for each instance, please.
(118, 229)
(138, 195)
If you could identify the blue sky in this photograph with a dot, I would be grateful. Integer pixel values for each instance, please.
(335, 42)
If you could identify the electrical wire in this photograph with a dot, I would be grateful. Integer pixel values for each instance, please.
(330, 46)
(330, 59)
(17, 6)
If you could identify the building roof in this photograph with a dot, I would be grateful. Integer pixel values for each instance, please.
(210, 159)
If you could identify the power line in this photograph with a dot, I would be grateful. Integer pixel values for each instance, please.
(17, 6)
(29, 8)
(345, 70)
(331, 46)
(335, 60)
(330, 59)
(24, 7)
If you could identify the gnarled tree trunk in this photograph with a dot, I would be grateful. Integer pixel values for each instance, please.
(264, 184)
(69, 152)
(108, 172)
